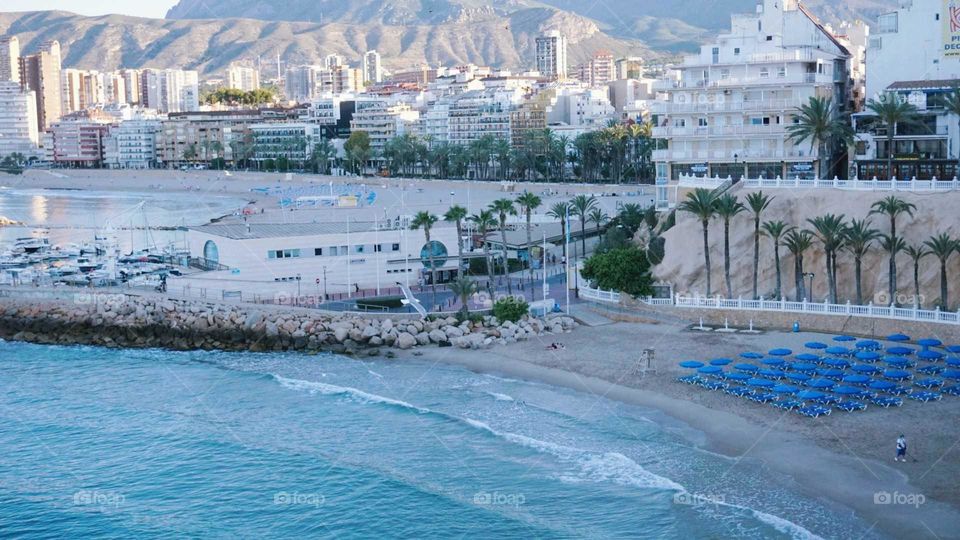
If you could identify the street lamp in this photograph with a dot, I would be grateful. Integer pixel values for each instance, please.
(810, 289)
(298, 289)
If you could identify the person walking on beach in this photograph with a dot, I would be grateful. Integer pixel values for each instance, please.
(901, 449)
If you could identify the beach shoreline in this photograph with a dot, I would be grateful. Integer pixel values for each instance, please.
(842, 474)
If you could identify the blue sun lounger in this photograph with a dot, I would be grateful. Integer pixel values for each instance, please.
(713, 385)
(739, 391)
(886, 402)
(932, 369)
(925, 396)
(787, 405)
(689, 379)
(898, 391)
(851, 405)
(826, 400)
(929, 383)
(813, 411)
(952, 390)
(763, 397)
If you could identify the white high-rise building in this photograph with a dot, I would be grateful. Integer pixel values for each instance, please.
(170, 90)
(728, 108)
(18, 120)
(372, 72)
(132, 143)
(302, 83)
(552, 55)
(9, 59)
(334, 60)
(242, 78)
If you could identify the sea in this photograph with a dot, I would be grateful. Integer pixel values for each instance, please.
(138, 219)
(106, 443)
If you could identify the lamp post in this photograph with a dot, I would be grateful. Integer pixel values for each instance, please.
(736, 165)
(298, 289)
(810, 289)
(324, 283)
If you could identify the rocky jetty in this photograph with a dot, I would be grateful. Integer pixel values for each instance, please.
(119, 320)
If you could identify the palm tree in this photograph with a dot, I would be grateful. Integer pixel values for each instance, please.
(892, 206)
(892, 111)
(426, 221)
(701, 202)
(598, 216)
(464, 287)
(727, 207)
(951, 104)
(528, 203)
(561, 211)
(580, 206)
(916, 253)
(484, 221)
(819, 122)
(893, 246)
(775, 231)
(758, 202)
(830, 230)
(502, 208)
(859, 237)
(942, 246)
(798, 241)
(457, 214)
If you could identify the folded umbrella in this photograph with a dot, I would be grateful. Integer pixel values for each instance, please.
(900, 351)
(844, 338)
(720, 361)
(779, 352)
(751, 355)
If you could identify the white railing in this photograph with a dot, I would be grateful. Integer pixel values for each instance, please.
(599, 295)
(855, 185)
(848, 309)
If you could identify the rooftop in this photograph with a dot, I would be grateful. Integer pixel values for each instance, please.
(947, 84)
(245, 231)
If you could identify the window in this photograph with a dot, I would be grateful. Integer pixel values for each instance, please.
(702, 122)
(781, 72)
(769, 38)
(764, 73)
(317, 252)
(333, 251)
(395, 247)
(736, 51)
(716, 55)
(377, 248)
(724, 74)
(358, 248)
(283, 253)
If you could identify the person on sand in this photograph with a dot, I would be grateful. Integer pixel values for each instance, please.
(901, 449)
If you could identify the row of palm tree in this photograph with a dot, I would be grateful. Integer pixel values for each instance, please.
(833, 232)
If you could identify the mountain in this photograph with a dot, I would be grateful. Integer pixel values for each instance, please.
(482, 36)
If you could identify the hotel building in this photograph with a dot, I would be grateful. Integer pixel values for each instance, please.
(9, 59)
(242, 78)
(19, 132)
(40, 73)
(552, 55)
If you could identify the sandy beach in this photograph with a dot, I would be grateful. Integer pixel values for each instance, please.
(845, 458)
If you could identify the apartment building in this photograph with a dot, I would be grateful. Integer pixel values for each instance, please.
(727, 108)
(242, 78)
(40, 73)
(132, 143)
(9, 59)
(78, 139)
(372, 70)
(552, 55)
(477, 113)
(19, 132)
(293, 141)
(170, 90)
(599, 70)
(192, 138)
(383, 119)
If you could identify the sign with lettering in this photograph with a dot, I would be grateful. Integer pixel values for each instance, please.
(951, 27)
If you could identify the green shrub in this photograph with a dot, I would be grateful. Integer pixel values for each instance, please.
(626, 270)
(510, 309)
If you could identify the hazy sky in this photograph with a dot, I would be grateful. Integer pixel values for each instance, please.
(148, 8)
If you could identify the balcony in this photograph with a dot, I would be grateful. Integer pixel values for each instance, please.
(664, 107)
(740, 155)
(719, 131)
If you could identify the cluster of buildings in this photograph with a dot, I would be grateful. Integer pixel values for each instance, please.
(724, 112)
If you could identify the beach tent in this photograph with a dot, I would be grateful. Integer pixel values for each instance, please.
(856, 379)
(774, 362)
(844, 338)
(720, 361)
(691, 364)
(867, 356)
(896, 374)
(868, 345)
(900, 351)
(815, 345)
(751, 355)
(779, 352)
(898, 337)
(746, 367)
(839, 351)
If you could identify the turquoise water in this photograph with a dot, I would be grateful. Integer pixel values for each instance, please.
(157, 444)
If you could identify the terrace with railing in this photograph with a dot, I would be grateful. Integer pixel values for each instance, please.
(933, 185)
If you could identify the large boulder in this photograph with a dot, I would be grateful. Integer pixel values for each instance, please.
(340, 333)
(438, 336)
(423, 338)
(406, 341)
(453, 332)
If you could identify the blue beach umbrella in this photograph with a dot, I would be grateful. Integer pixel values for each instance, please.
(760, 383)
(785, 389)
(953, 361)
(896, 374)
(927, 354)
(840, 351)
(780, 352)
(746, 367)
(882, 385)
(720, 361)
(691, 364)
(856, 379)
(810, 394)
(774, 362)
(868, 345)
(830, 372)
(749, 355)
(867, 356)
(807, 357)
(800, 366)
(815, 345)
(798, 377)
(837, 363)
(896, 362)
(953, 349)
(736, 376)
(771, 373)
(951, 374)
(847, 391)
(929, 342)
(898, 337)
(900, 351)
(820, 383)
(710, 370)
(841, 339)
(865, 368)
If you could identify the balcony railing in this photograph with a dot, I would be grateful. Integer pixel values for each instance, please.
(914, 185)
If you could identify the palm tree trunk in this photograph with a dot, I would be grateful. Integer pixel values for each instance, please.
(890, 134)
(506, 267)
(706, 255)
(833, 270)
(892, 271)
(529, 256)
(944, 303)
(583, 237)
(459, 249)
(726, 256)
(756, 257)
(916, 283)
(856, 276)
(798, 277)
(489, 261)
(830, 288)
(776, 262)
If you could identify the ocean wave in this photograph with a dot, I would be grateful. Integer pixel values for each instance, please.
(499, 397)
(333, 390)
